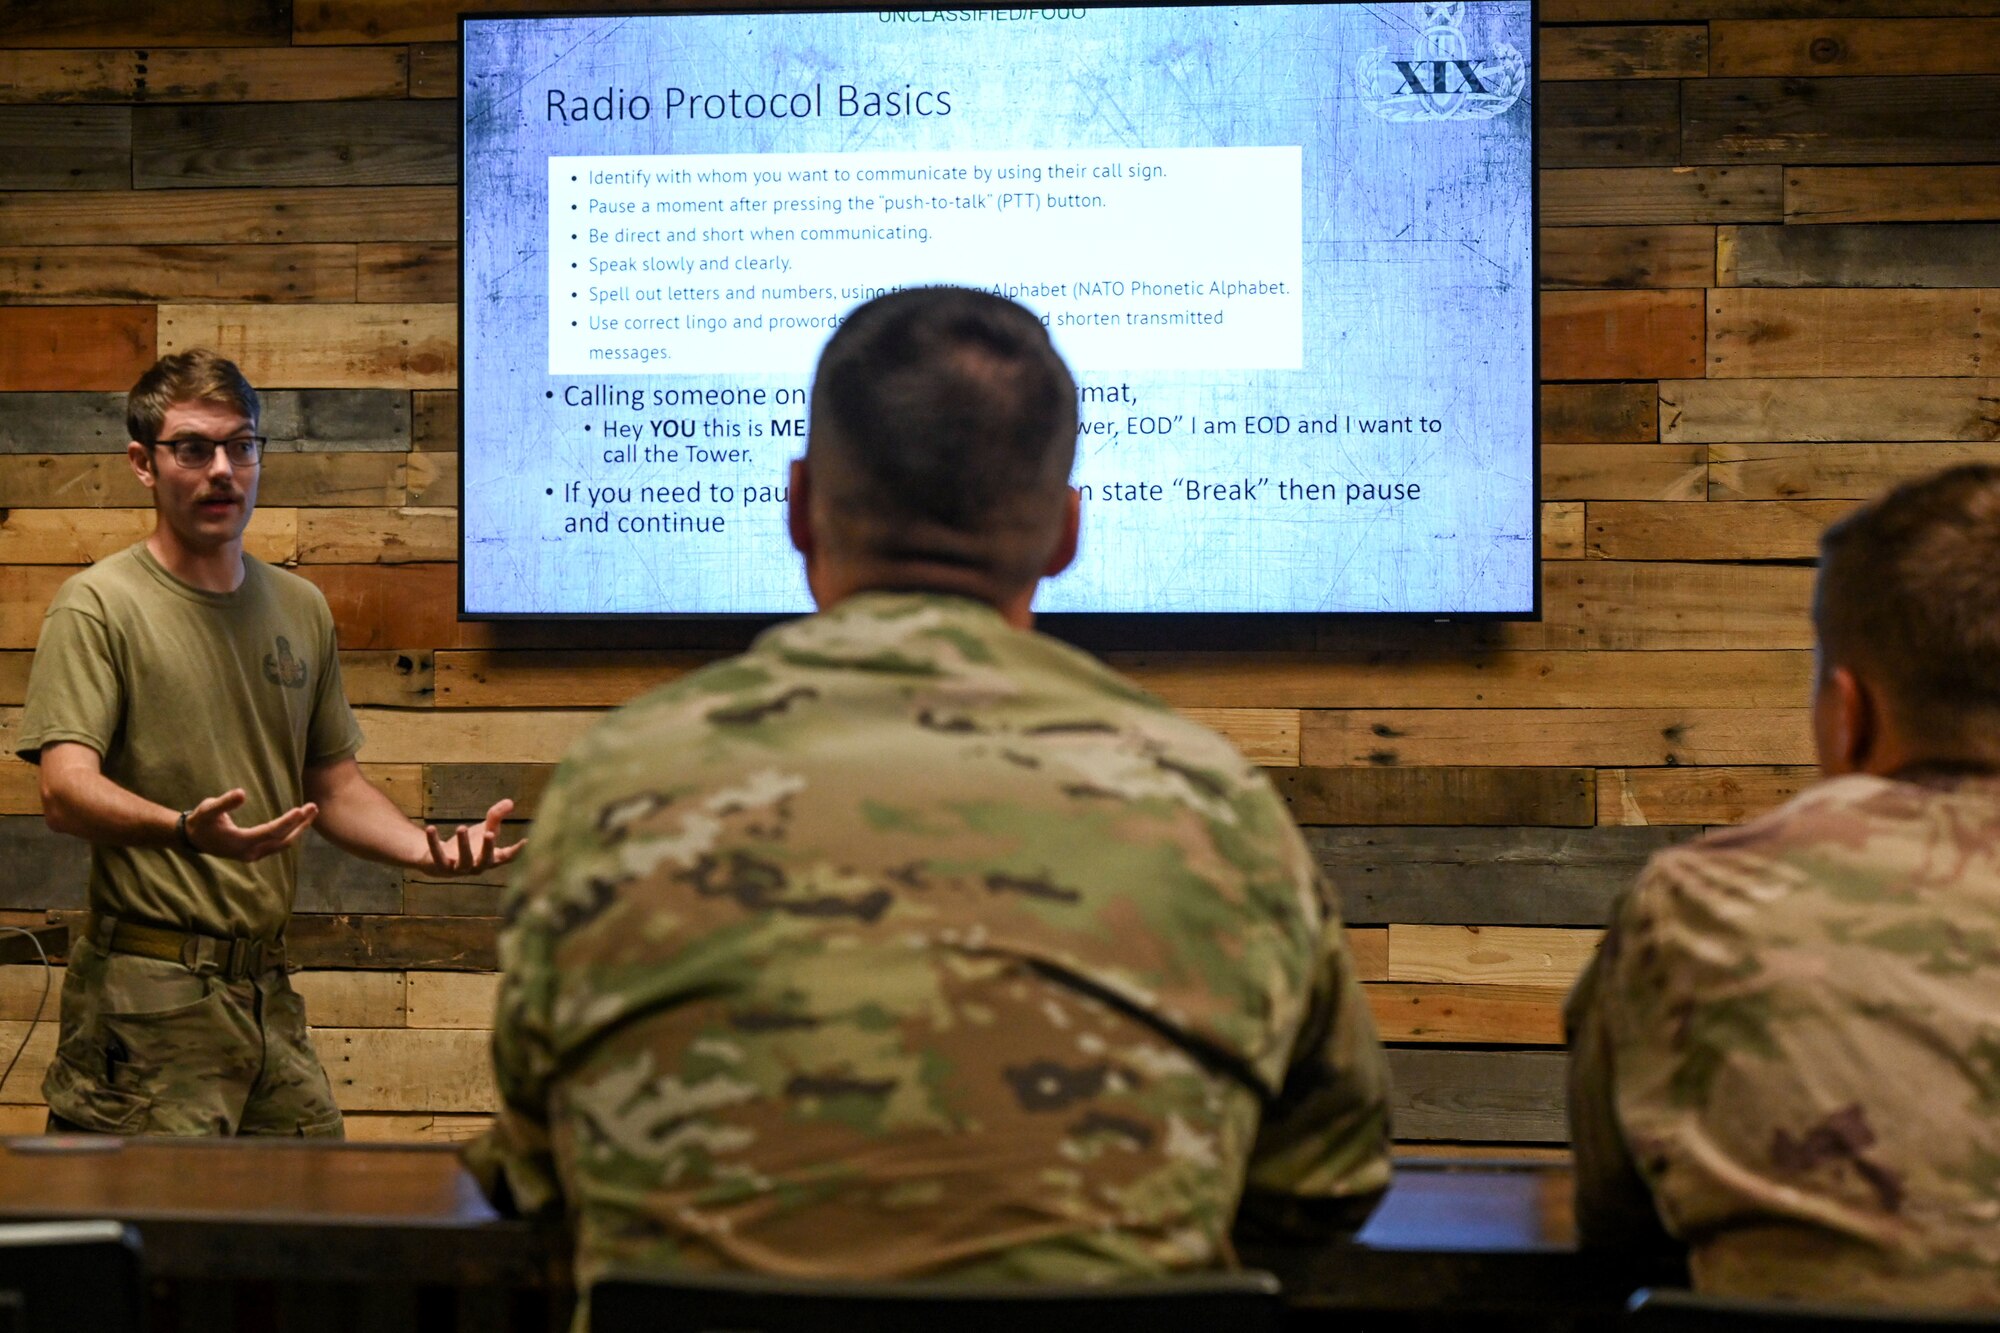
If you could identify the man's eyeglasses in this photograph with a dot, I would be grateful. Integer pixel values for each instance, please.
(194, 451)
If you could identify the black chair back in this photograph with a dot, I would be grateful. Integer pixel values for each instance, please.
(1661, 1310)
(735, 1303)
(64, 1277)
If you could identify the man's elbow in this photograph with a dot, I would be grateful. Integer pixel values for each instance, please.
(58, 810)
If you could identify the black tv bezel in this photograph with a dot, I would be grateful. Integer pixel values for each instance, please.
(1114, 629)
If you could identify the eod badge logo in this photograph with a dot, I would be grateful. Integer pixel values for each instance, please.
(1441, 79)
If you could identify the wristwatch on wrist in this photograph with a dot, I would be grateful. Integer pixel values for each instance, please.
(182, 827)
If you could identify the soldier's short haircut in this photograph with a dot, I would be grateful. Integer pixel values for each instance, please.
(194, 376)
(1909, 589)
(943, 430)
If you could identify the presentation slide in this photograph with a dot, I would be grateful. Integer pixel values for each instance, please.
(1287, 250)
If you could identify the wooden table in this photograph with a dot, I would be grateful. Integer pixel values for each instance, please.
(1454, 1236)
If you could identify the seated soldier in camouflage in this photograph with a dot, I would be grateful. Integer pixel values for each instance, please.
(912, 943)
(1787, 1050)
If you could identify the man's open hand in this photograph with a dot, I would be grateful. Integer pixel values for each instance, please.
(474, 847)
(213, 832)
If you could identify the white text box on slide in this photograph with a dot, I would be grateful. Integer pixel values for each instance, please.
(1153, 258)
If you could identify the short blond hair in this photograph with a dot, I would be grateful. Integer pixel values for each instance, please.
(194, 376)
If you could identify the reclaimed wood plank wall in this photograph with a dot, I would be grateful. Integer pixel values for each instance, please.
(1771, 274)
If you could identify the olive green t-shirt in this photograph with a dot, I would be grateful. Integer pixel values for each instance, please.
(187, 694)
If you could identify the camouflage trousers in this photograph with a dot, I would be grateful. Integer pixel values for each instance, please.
(152, 1047)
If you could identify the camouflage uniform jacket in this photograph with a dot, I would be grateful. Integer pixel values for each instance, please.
(1791, 1038)
(909, 943)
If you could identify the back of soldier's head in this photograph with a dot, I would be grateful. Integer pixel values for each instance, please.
(943, 429)
(1909, 597)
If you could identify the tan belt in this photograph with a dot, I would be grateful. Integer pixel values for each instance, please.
(204, 955)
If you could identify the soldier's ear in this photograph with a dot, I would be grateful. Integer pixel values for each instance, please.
(798, 510)
(1064, 554)
(1847, 722)
(141, 459)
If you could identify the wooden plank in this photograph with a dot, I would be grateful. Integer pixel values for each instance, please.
(330, 880)
(378, 536)
(433, 479)
(465, 736)
(1659, 196)
(453, 999)
(26, 987)
(403, 784)
(450, 898)
(66, 481)
(352, 999)
(1267, 736)
(25, 593)
(1769, 530)
(336, 420)
(1472, 678)
(14, 669)
(408, 1069)
(302, 143)
(1528, 737)
(1696, 795)
(462, 944)
(1872, 409)
(36, 1046)
(1610, 123)
(65, 148)
(1464, 1015)
(583, 679)
(413, 1127)
(1563, 530)
(1367, 945)
(325, 21)
(62, 423)
(1946, 118)
(44, 869)
(270, 74)
(1479, 1096)
(1627, 257)
(229, 217)
(468, 791)
(1475, 876)
(383, 606)
(407, 271)
(1624, 472)
(1621, 335)
(1830, 471)
(389, 678)
(1844, 332)
(434, 422)
(87, 347)
(1823, 47)
(1466, 796)
(1490, 955)
(1892, 194)
(329, 346)
(1598, 413)
(84, 536)
(121, 23)
(1911, 254)
(20, 787)
(434, 69)
(1624, 51)
(83, 275)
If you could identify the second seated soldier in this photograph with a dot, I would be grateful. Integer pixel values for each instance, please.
(912, 942)
(185, 708)
(1786, 1054)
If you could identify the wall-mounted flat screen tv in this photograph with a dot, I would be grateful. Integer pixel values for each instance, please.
(1287, 249)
